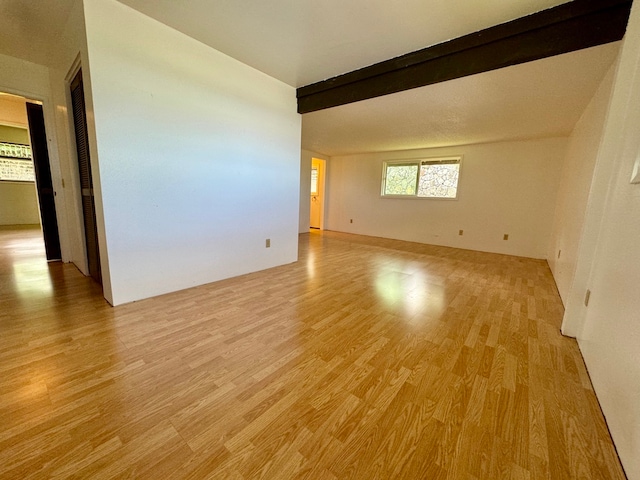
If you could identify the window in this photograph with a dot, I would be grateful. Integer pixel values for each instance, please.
(15, 163)
(424, 178)
(314, 181)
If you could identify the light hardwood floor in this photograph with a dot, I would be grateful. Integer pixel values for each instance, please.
(367, 359)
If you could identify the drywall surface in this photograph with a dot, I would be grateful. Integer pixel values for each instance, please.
(18, 201)
(504, 188)
(14, 134)
(18, 204)
(13, 112)
(575, 185)
(198, 157)
(306, 157)
(68, 53)
(35, 82)
(608, 329)
(20, 77)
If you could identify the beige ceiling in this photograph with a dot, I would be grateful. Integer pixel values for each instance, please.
(533, 100)
(30, 28)
(296, 41)
(304, 41)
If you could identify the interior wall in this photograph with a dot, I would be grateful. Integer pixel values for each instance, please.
(24, 78)
(36, 82)
(575, 184)
(18, 201)
(608, 329)
(13, 112)
(203, 167)
(18, 204)
(306, 157)
(18, 135)
(27, 79)
(504, 188)
(68, 55)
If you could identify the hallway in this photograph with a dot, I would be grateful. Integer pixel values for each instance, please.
(368, 358)
(28, 283)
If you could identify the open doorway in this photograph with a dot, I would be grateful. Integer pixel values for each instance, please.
(316, 214)
(26, 188)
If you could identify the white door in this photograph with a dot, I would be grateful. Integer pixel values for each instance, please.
(315, 197)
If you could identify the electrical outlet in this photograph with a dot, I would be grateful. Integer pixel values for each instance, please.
(268, 243)
(506, 236)
(460, 232)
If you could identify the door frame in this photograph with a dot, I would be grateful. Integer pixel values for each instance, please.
(81, 63)
(55, 95)
(48, 112)
(94, 269)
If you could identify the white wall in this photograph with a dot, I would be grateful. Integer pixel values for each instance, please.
(575, 185)
(305, 187)
(23, 78)
(29, 80)
(50, 84)
(68, 54)
(198, 157)
(608, 330)
(507, 187)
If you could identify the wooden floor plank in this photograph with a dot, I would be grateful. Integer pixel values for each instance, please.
(367, 358)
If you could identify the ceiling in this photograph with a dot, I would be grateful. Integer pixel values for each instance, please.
(305, 41)
(538, 99)
(296, 41)
(29, 29)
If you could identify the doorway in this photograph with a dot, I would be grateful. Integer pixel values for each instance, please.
(27, 196)
(44, 181)
(316, 216)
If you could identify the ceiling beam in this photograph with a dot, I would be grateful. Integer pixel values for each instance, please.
(568, 27)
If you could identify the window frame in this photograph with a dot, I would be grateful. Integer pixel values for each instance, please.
(419, 162)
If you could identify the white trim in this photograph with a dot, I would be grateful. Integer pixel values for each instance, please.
(74, 69)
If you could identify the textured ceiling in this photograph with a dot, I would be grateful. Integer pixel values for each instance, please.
(296, 41)
(30, 28)
(538, 99)
(304, 41)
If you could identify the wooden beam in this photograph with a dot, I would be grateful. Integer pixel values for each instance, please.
(568, 27)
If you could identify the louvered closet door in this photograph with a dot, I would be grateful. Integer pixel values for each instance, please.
(86, 182)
